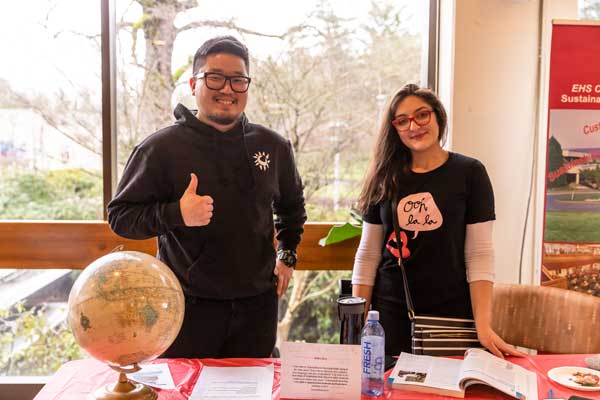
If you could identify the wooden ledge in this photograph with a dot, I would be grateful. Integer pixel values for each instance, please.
(75, 244)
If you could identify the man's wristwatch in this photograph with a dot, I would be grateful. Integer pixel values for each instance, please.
(288, 257)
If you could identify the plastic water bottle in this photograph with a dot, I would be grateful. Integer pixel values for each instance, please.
(373, 355)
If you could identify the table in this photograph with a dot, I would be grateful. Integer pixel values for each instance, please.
(75, 379)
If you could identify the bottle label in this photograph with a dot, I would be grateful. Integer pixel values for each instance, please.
(372, 355)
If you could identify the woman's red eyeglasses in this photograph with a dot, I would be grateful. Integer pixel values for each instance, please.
(421, 118)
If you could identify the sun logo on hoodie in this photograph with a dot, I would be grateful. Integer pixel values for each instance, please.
(261, 160)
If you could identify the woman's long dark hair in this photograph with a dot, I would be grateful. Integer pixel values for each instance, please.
(391, 157)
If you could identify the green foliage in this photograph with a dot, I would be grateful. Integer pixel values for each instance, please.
(182, 69)
(139, 24)
(578, 227)
(555, 161)
(30, 346)
(591, 177)
(339, 233)
(62, 194)
(317, 320)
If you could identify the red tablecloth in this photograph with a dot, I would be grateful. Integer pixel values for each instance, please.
(75, 379)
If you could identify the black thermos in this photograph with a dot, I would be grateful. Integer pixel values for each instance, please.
(351, 311)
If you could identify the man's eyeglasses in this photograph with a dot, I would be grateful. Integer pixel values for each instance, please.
(421, 118)
(217, 81)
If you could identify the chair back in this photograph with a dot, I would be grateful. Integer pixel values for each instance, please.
(547, 319)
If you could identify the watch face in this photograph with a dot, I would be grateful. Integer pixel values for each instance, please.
(287, 257)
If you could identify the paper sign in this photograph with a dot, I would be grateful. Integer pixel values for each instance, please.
(229, 383)
(320, 371)
(155, 375)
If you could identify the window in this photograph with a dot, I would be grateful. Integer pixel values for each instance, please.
(322, 73)
(50, 164)
(50, 148)
(589, 9)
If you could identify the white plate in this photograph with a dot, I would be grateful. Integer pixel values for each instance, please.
(564, 376)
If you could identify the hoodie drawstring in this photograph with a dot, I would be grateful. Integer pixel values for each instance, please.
(248, 160)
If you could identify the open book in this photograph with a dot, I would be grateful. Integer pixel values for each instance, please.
(451, 377)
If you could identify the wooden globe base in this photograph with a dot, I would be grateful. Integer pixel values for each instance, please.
(124, 389)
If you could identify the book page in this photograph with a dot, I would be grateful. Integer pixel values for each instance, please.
(427, 371)
(498, 373)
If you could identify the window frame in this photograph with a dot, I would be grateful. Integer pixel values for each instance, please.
(109, 101)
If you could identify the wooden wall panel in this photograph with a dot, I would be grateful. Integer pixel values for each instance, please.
(60, 244)
(74, 244)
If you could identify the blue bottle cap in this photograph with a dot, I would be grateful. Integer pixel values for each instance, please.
(373, 315)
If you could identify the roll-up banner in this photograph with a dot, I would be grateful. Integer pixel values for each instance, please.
(571, 245)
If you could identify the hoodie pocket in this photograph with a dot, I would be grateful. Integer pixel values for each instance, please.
(202, 259)
(180, 255)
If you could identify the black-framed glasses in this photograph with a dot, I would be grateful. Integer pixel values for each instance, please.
(217, 81)
(421, 118)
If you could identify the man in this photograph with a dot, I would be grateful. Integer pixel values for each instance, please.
(207, 187)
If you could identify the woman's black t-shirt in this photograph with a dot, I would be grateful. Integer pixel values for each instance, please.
(433, 211)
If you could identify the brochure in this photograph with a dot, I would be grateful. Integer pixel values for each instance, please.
(451, 377)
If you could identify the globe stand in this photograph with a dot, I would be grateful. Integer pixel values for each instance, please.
(124, 389)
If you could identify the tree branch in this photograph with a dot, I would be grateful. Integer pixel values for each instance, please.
(123, 25)
(225, 24)
(231, 24)
(307, 287)
(49, 118)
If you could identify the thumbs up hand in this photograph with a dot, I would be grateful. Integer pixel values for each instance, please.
(196, 210)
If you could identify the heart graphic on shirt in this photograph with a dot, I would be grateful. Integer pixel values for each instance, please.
(392, 245)
(418, 212)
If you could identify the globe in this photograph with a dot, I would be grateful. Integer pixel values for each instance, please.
(126, 308)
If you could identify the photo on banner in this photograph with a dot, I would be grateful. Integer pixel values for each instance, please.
(571, 244)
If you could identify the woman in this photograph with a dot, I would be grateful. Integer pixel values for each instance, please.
(445, 207)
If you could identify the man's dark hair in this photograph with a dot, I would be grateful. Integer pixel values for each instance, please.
(221, 44)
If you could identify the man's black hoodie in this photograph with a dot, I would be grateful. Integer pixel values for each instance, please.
(250, 173)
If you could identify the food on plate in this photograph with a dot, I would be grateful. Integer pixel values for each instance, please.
(586, 379)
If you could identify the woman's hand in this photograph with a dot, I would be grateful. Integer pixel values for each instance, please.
(494, 343)
(481, 299)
